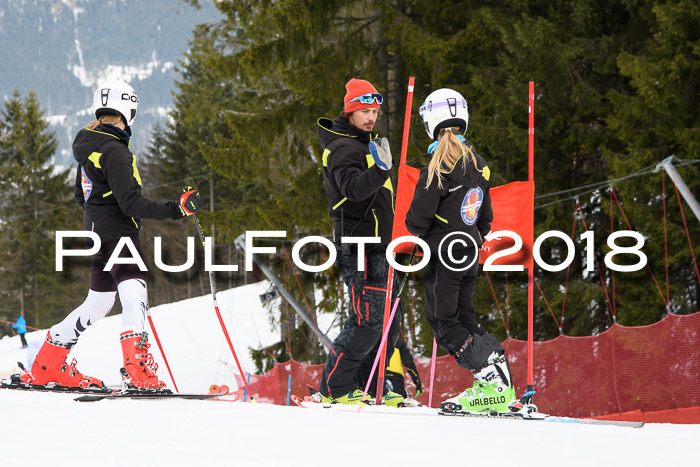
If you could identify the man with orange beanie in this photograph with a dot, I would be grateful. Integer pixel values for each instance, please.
(357, 176)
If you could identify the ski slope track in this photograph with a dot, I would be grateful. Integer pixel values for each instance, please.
(44, 428)
(40, 428)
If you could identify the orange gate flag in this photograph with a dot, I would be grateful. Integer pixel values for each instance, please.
(513, 206)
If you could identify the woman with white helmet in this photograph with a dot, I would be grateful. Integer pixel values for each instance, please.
(451, 211)
(108, 188)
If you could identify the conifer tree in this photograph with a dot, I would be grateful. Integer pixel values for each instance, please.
(34, 202)
(656, 118)
(616, 89)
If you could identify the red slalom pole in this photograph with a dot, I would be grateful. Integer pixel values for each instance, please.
(160, 347)
(390, 278)
(407, 120)
(218, 313)
(531, 269)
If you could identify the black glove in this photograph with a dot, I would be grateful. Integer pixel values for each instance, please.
(419, 388)
(190, 201)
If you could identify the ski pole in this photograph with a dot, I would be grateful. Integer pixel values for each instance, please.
(381, 347)
(390, 281)
(381, 353)
(160, 347)
(410, 262)
(432, 373)
(218, 313)
(245, 393)
(382, 344)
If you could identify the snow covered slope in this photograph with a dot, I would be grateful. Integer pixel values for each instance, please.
(52, 429)
(189, 331)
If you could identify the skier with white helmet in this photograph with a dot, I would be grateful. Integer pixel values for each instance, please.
(451, 210)
(108, 187)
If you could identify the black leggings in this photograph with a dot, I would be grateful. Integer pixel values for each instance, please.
(106, 281)
(448, 299)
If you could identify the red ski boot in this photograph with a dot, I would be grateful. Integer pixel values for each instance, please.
(138, 362)
(50, 366)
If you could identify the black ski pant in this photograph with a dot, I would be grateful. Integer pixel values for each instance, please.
(448, 298)
(365, 368)
(353, 351)
(395, 382)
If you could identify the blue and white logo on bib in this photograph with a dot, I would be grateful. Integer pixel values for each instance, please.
(86, 184)
(471, 205)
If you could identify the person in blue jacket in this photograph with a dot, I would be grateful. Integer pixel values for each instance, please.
(21, 327)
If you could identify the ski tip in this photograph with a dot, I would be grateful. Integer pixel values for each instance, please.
(90, 398)
(297, 400)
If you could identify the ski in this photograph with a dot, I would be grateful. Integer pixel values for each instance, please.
(310, 402)
(15, 383)
(545, 418)
(159, 394)
(594, 421)
(526, 411)
(315, 397)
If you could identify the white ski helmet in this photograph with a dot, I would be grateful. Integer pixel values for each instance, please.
(116, 98)
(442, 109)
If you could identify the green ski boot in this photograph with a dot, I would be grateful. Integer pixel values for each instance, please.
(392, 399)
(482, 397)
(492, 391)
(354, 397)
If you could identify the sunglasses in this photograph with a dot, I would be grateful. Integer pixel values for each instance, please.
(368, 98)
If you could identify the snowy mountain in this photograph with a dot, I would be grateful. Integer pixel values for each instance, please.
(61, 49)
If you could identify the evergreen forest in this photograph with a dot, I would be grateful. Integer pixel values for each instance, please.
(617, 91)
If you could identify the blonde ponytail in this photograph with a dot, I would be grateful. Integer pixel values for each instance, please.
(447, 154)
(111, 119)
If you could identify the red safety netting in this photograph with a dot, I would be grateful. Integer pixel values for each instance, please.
(647, 368)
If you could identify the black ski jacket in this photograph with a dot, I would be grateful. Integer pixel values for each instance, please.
(462, 204)
(108, 185)
(360, 194)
